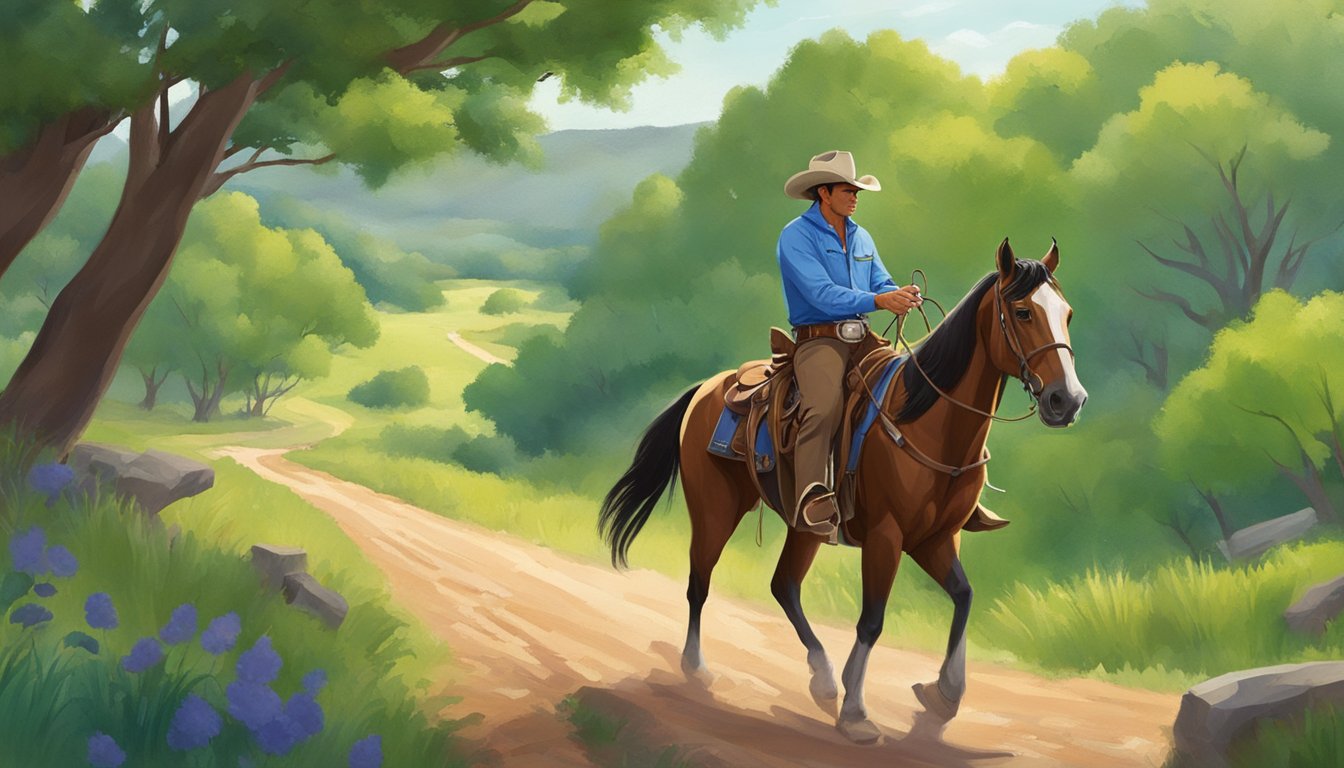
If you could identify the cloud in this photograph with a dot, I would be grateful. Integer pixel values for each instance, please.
(987, 53)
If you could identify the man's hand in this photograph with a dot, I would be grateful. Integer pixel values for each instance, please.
(901, 300)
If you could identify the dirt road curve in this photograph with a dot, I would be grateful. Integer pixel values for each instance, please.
(473, 350)
(530, 627)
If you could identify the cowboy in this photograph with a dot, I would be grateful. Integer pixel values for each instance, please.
(832, 278)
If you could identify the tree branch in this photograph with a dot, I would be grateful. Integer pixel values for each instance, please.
(447, 63)
(1193, 270)
(221, 177)
(1208, 320)
(423, 53)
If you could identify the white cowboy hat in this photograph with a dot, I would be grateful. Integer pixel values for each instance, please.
(833, 166)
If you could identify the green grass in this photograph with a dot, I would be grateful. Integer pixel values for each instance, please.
(1315, 740)
(1184, 622)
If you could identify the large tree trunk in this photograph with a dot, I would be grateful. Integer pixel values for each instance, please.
(1309, 482)
(54, 392)
(211, 393)
(35, 179)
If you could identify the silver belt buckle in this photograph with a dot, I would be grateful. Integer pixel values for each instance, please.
(851, 330)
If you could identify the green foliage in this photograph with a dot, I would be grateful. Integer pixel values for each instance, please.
(504, 301)
(1185, 616)
(487, 453)
(405, 387)
(431, 443)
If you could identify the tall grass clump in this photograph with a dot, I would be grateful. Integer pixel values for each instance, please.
(1190, 617)
(121, 645)
(1314, 740)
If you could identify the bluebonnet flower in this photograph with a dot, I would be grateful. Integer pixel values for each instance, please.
(367, 752)
(194, 724)
(29, 551)
(277, 737)
(305, 715)
(104, 752)
(221, 633)
(260, 663)
(63, 563)
(99, 612)
(50, 480)
(181, 625)
(29, 614)
(44, 589)
(315, 681)
(144, 654)
(252, 704)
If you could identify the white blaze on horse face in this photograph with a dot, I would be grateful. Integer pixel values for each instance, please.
(1055, 309)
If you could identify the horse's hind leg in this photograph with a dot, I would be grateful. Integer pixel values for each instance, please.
(941, 561)
(794, 561)
(716, 504)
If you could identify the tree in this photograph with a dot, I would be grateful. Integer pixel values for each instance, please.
(1264, 404)
(250, 308)
(374, 84)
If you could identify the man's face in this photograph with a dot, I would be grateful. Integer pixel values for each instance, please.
(842, 199)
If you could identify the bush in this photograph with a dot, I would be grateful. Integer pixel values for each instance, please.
(487, 453)
(504, 301)
(393, 389)
(431, 443)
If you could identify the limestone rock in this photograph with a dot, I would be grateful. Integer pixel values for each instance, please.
(1217, 711)
(1255, 540)
(304, 591)
(152, 479)
(275, 562)
(1320, 605)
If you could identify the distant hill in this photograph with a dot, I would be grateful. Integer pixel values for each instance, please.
(465, 202)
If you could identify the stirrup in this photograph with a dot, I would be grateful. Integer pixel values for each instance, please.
(818, 511)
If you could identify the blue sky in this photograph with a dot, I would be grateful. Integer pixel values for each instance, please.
(979, 35)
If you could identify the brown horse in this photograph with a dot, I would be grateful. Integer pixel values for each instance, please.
(917, 483)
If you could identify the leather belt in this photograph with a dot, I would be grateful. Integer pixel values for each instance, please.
(849, 331)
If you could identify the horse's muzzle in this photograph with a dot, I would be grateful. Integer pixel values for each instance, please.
(1059, 404)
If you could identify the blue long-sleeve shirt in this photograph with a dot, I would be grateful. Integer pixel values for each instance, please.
(822, 282)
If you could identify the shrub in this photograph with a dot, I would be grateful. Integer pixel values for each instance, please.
(393, 389)
(487, 453)
(504, 301)
(431, 443)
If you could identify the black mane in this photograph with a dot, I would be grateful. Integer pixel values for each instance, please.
(945, 354)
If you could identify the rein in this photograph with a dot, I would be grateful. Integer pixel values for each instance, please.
(1031, 383)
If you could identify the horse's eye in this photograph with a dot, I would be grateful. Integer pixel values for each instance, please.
(1022, 314)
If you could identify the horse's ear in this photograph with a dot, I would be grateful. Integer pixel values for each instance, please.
(1006, 260)
(1051, 259)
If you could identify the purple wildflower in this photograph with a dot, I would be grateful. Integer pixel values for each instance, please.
(99, 612)
(194, 724)
(63, 563)
(315, 681)
(260, 663)
(181, 626)
(252, 704)
(305, 715)
(50, 479)
(29, 614)
(104, 752)
(44, 589)
(367, 752)
(221, 633)
(278, 736)
(144, 654)
(29, 551)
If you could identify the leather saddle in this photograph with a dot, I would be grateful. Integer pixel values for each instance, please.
(761, 410)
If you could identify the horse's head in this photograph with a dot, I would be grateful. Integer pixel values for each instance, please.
(1030, 335)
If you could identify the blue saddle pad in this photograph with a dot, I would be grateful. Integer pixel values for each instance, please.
(720, 444)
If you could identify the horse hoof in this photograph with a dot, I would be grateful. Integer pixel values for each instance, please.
(824, 693)
(860, 730)
(697, 673)
(935, 703)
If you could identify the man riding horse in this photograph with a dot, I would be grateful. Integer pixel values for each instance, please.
(833, 276)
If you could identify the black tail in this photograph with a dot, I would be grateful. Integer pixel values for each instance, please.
(631, 500)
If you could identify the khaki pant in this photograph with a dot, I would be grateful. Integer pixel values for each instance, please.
(820, 366)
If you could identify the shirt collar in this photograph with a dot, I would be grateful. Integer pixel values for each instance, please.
(814, 217)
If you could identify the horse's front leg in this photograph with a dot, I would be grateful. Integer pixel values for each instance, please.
(800, 549)
(941, 561)
(881, 556)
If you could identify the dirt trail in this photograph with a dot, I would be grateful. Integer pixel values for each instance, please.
(473, 350)
(530, 627)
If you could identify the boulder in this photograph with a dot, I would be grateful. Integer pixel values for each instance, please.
(304, 591)
(1215, 712)
(1319, 606)
(152, 479)
(275, 562)
(1254, 541)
